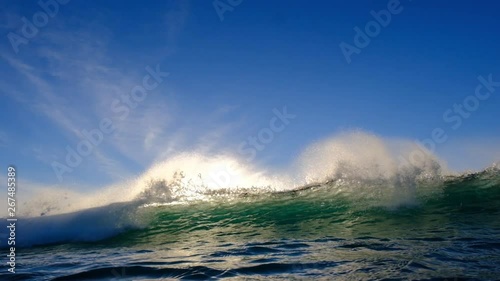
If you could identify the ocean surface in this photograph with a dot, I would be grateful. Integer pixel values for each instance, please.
(439, 228)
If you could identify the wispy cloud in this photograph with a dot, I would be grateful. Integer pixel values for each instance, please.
(71, 77)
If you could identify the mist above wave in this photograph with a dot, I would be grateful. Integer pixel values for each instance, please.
(360, 158)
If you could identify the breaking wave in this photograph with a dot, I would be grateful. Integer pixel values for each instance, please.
(358, 167)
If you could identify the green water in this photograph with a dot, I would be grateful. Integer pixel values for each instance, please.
(442, 228)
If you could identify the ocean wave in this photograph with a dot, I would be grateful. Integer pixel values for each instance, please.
(470, 191)
(354, 167)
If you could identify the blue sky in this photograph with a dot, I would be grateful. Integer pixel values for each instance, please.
(226, 77)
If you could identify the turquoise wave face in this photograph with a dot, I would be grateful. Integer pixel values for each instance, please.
(335, 209)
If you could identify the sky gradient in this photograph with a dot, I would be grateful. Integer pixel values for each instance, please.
(226, 75)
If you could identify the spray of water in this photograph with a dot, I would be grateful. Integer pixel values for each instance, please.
(356, 161)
